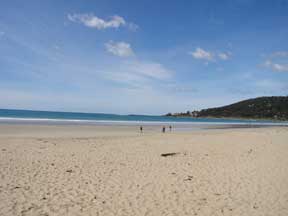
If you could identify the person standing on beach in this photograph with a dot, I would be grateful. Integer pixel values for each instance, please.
(170, 128)
(141, 129)
(163, 129)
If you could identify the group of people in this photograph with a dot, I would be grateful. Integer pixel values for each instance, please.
(163, 129)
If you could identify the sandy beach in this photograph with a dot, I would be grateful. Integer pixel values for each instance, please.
(88, 170)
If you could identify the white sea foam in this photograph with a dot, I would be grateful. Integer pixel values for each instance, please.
(133, 122)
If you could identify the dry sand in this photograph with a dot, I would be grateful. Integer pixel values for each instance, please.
(121, 172)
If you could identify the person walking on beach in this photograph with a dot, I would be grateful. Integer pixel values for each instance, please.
(163, 129)
(170, 128)
(141, 129)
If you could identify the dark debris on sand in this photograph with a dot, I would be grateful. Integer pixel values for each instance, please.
(169, 154)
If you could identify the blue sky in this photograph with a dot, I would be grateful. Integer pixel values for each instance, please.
(148, 57)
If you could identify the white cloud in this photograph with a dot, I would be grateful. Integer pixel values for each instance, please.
(277, 61)
(92, 21)
(276, 67)
(224, 56)
(202, 54)
(121, 49)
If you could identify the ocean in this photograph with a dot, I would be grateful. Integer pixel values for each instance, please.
(11, 115)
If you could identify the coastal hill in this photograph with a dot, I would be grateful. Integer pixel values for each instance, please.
(256, 108)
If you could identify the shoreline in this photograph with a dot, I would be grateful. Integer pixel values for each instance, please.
(231, 118)
(40, 129)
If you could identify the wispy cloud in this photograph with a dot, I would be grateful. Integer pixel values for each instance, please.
(224, 56)
(181, 88)
(276, 66)
(271, 85)
(138, 73)
(280, 54)
(2, 34)
(150, 69)
(277, 61)
(202, 54)
(121, 49)
(258, 87)
(132, 26)
(92, 21)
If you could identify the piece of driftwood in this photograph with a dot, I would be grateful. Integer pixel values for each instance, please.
(169, 154)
